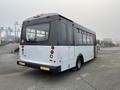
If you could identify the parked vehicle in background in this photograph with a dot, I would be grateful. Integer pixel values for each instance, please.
(55, 43)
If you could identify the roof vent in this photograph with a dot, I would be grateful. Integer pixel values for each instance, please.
(37, 16)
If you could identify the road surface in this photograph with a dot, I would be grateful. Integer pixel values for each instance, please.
(103, 73)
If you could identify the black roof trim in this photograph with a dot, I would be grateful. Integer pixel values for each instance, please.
(66, 18)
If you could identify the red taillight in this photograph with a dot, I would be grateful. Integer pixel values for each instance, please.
(22, 46)
(52, 47)
(52, 52)
(22, 50)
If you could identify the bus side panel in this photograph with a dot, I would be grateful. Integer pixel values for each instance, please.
(65, 51)
(86, 51)
(67, 63)
(63, 57)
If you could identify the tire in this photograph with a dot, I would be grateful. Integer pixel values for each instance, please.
(78, 64)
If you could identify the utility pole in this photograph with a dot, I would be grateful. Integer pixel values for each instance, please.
(10, 34)
(0, 36)
(1, 29)
(16, 23)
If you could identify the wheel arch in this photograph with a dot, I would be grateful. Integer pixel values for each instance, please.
(80, 56)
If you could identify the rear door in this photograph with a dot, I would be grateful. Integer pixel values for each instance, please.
(37, 54)
(36, 48)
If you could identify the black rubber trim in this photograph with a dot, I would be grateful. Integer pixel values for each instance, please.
(55, 69)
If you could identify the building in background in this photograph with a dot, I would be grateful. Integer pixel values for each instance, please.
(0, 37)
(8, 35)
(118, 43)
(107, 42)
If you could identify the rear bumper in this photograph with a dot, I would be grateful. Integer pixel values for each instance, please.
(40, 66)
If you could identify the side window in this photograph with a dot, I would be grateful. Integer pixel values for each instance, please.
(76, 36)
(80, 37)
(91, 39)
(88, 38)
(70, 34)
(94, 40)
(62, 34)
(84, 38)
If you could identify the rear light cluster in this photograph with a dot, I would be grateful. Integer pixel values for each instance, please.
(51, 53)
(22, 50)
(22, 47)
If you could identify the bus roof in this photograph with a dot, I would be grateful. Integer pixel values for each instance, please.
(41, 16)
(84, 28)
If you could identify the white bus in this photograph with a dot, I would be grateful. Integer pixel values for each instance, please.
(54, 43)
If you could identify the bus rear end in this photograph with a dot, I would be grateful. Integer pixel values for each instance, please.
(37, 45)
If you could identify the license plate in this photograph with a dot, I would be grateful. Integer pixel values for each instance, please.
(22, 63)
(45, 68)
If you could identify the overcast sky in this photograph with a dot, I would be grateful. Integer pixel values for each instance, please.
(102, 16)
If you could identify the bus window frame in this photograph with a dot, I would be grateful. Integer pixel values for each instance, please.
(23, 35)
(83, 31)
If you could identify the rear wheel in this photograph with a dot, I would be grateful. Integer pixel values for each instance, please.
(78, 64)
